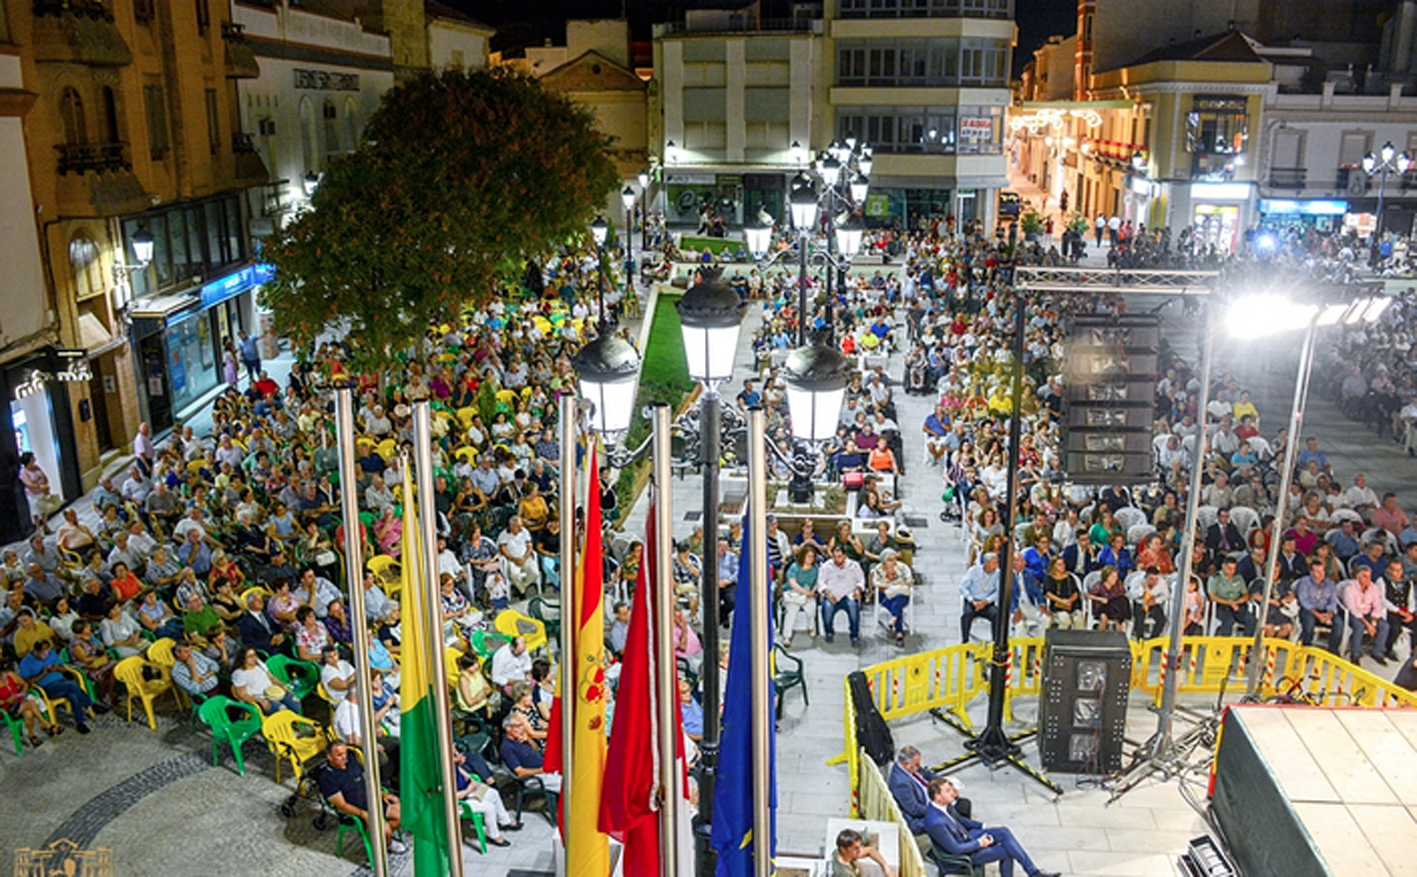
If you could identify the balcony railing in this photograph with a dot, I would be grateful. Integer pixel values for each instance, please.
(233, 31)
(92, 8)
(739, 25)
(925, 9)
(81, 158)
(1287, 177)
(242, 144)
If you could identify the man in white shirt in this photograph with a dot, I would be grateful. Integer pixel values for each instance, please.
(841, 584)
(316, 592)
(349, 728)
(1360, 497)
(448, 563)
(336, 674)
(522, 569)
(377, 496)
(1149, 593)
(511, 663)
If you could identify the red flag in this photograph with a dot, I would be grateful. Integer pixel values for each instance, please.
(628, 809)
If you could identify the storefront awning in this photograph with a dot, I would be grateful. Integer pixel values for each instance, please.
(163, 307)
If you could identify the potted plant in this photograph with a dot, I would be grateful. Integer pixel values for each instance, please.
(1031, 224)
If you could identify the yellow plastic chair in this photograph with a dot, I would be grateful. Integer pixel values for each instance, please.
(293, 738)
(506, 397)
(451, 656)
(130, 672)
(264, 591)
(50, 703)
(387, 573)
(387, 449)
(513, 624)
(465, 416)
(160, 653)
(195, 466)
(466, 454)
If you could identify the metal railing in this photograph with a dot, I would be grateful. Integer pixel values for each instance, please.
(1287, 177)
(91, 8)
(740, 25)
(925, 9)
(242, 144)
(85, 157)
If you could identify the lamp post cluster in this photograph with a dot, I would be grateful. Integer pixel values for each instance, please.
(843, 170)
(1387, 160)
(608, 368)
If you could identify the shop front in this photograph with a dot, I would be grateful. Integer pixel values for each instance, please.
(1361, 217)
(179, 342)
(1324, 215)
(37, 420)
(1217, 214)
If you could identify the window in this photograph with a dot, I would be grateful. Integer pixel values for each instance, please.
(928, 130)
(86, 267)
(309, 137)
(4, 24)
(71, 111)
(110, 117)
(1216, 125)
(213, 124)
(332, 132)
(1087, 29)
(942, 63)
(143, 11)
(155, 103)
(204, 16)
(190, 240)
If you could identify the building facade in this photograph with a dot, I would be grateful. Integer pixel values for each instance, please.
(134, 131)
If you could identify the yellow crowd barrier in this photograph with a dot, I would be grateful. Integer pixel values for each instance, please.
(949, 679)
(878, 805)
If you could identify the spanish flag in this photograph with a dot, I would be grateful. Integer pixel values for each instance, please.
(587, 848)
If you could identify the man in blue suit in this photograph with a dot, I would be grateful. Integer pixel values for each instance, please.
(909, 782)
(959, 835)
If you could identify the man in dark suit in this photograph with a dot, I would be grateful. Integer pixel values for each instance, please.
(909, 782)
(258, 631)
(1081, 557)
(959, 835)
(1223, 536)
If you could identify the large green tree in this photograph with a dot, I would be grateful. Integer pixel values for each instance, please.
(459, 176)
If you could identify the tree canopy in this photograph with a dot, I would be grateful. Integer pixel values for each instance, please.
(458, 177)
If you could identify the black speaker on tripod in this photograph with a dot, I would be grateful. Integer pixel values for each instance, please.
(1083, 714)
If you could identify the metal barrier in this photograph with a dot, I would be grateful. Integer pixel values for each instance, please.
(878, 805)
(950, 678)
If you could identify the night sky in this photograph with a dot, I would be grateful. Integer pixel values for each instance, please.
(521, 22)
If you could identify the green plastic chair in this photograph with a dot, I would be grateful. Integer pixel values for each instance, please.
(952, 864)
(301, 677)
(788, 676)
(485, 643)
(17, 731)
(216, 713)
(466, 812)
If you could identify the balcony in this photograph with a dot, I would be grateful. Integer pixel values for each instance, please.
(738, 24)
(96, 179)
(881, 9)
(240, 60)
(249, 166)
(82, 158)
(1287, 178)
(78, 32)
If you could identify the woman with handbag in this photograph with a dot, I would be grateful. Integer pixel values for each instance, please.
(252, 683)
(892, 581)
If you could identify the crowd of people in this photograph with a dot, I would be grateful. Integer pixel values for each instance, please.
(229, 545)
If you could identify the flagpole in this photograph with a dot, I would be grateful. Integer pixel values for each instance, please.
(569, 614)
(758, 601)
(428, 515)
(353, 566)
(667, 679)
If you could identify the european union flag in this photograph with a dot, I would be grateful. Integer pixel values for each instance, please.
(732, 836)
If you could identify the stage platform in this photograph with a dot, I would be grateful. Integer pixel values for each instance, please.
(1328, 792)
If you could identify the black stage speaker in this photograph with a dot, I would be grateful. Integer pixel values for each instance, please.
(1110, 380)
(1086, 680)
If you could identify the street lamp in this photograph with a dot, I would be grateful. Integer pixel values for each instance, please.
(797, 153)
(627, 198)
(644, 178)
(710, 317)
(608, 368)
(759, 238)
(816, 379)
(309, 183)
(1385, 162)
(860, 185)
(142, 241)
(848, 237)
(1139, 162)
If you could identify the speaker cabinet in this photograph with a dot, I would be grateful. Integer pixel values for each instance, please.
(1083, 715)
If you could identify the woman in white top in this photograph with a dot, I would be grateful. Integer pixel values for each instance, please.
(252, 683)
(62, 622)
(121, 632)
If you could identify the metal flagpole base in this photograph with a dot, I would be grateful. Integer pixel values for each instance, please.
(994, 749)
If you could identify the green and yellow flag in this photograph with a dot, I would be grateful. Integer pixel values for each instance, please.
(420, 776)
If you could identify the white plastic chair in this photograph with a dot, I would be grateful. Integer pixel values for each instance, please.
(1246, 518)
(1205, 516)
(1130, 516)
(1135, 535)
